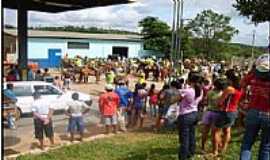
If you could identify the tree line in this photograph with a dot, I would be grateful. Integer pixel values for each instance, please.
(82, 29)
(208, 35)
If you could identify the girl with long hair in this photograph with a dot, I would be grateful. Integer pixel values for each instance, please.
(228, 104)
(188, 115)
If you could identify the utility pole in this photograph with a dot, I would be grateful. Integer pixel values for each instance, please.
(180, 29)
(177, 29)
(253, 42)
(173, 28)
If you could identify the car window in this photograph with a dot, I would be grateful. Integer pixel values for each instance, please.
(46, 90)
(20, 91)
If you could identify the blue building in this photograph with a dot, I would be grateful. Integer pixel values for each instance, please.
(48, 47)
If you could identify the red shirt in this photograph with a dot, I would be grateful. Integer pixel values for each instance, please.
(11, 78)
(232, 107)
(260, 92)
(230, 99)
(108, 103)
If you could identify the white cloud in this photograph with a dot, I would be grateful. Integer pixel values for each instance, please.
(127, 16)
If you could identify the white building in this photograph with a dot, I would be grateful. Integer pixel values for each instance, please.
(52, 45)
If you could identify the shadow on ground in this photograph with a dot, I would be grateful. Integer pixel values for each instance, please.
(10, 151)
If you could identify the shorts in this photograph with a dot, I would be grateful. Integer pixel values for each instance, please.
(210, 117)
(40, 128)
(76, 124)
(225, 119)
(163, 111)
(140, 109)
(110, 120)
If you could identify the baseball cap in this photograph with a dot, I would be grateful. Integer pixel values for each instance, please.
(109, 87)
(263, 63)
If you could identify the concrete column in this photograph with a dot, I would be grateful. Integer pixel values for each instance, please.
(22, 40)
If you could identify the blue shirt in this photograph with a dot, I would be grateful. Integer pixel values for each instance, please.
(124, 94)
(10, 94)
(30, 76)
(138, 102)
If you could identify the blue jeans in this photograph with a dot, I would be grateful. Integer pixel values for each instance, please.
(254, 123)
(11, 121)
(76, 123)
(187, 138)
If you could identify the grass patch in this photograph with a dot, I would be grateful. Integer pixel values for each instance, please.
(132, 146)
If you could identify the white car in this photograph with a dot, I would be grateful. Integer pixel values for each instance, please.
(56, 97)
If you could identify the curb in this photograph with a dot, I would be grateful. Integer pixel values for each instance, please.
(64, 143)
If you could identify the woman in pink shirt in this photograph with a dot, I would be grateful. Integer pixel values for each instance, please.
(188, 115)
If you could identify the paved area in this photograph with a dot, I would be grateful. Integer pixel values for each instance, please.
(22, 139)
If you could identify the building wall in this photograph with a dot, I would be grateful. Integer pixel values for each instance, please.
(38, 47)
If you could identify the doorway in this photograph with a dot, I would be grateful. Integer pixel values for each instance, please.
(120, 51)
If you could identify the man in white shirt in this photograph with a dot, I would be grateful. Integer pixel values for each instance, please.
(42, 114)
(75, 110)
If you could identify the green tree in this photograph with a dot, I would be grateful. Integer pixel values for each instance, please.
(257, 10)
(213, 29)
(156, 33)
(187, 42)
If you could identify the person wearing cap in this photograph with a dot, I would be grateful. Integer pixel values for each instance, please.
(42, 114)
(108, 104)
(75, 110)
(125, 96)
(258, 116)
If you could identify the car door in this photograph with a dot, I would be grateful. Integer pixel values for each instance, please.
(51, 94)
(24, 96)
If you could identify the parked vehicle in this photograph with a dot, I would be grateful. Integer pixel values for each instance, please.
(55, 96)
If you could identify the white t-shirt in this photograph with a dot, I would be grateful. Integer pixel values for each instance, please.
(41, 107)
(76, 108)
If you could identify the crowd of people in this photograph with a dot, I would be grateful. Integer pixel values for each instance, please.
(195, 93)
(214, 96)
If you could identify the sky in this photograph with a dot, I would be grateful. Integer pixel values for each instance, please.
(127, 16)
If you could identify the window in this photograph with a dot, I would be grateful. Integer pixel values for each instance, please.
(22, 91)
(78, 45)
(46, 90)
